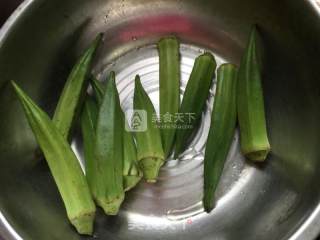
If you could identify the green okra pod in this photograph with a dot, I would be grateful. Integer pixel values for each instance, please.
(131, 171)
(149, 146)
(74, 91)
(64, 166)
(89, 118)
(223, 124)
(251, 114)
(194, 99)
(108, 151)
(169, 64)
(132, 174)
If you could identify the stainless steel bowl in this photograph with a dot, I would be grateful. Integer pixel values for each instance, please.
(275, 200)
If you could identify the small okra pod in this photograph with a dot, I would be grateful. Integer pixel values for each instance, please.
(149, 146)
(64, 165)
(194, 99)
(169, 64)
(131, 172)
(223, 124)
(89, 118)
(74, 91)
(108, 151)
(251, 114)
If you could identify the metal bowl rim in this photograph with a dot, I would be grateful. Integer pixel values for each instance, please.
(309, 229)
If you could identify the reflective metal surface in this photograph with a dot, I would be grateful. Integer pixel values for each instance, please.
(275, 200)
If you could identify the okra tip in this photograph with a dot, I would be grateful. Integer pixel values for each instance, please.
(94, 45)
(98, 38)
(137, 80)
(150, 168)
(84, 223)
(14, 85)
(208, 200)
(112, 81)
(21, 95)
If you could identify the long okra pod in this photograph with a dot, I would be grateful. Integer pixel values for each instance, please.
(149, 146)
(131, 171)
(109, 152)
(63, 165)
(89, 118)
(73, 94)
(253, 131)
(223, 124)
(194, 99)
(169, 63)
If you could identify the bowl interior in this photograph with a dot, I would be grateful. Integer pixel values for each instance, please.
(266, 201)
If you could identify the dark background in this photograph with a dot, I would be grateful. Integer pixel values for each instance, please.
(6, 8)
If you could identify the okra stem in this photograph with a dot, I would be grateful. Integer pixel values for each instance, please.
(99, 88)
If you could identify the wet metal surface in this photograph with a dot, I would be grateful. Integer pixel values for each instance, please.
(275, 200)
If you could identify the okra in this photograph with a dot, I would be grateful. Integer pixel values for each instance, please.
(99, 88)
(89, 118)
(194, 99)
(64, 166)
(132, 174)
(74, 91)
(149, 146)
(131, 171)
(251, 114)
(169, 60)
(108, 152)
(223, 124)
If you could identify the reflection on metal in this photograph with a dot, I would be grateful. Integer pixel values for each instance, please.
(8, 228)
(45, 38)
